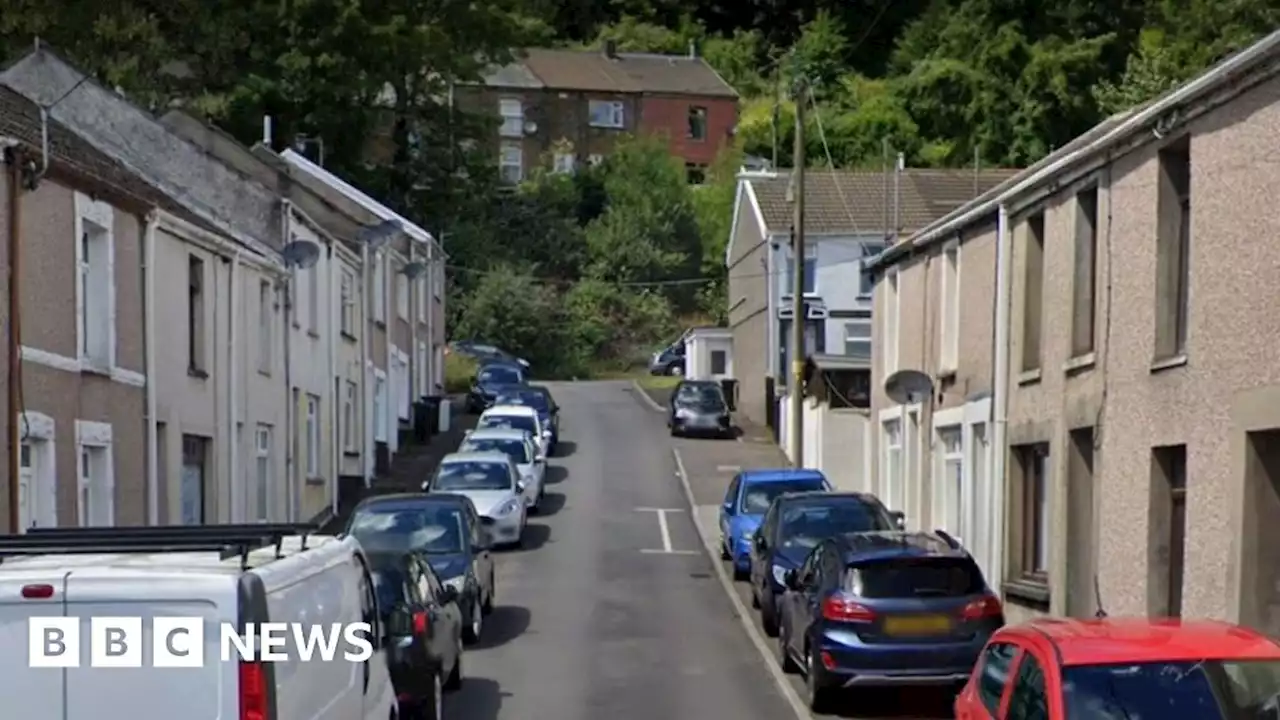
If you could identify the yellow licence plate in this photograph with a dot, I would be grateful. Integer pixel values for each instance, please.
(917, 625)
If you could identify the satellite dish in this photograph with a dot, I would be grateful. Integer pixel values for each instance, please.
(908, 387)
(301, 253)
(414, 269)
(530, 127)
(377, 236)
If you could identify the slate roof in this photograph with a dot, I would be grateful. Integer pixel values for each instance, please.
(593, 71)
(855, 201)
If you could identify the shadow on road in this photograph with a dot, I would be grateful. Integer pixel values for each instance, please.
(886, 703)
(535, 536)
(552, 503)
(565, 448)
(556, 474)
(504, 624)
(477, 699)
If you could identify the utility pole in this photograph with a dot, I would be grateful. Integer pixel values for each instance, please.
(797, 282)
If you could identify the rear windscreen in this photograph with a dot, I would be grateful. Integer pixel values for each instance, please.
(915, 578)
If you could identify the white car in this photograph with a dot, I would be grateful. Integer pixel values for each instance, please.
(520, 446)
(492, 482)
(520, 417)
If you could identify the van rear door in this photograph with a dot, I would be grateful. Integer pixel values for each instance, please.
(29, 692)
(209, 692)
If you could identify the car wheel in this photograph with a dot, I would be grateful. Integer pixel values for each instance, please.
(488, 601)
(475, 621)
(785, 661)
(724, 550)
(675, 370)
(817, 695)
(739, 574)
(769, 614)
(454, 681)
(755, 597)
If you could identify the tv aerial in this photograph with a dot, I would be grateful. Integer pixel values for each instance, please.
(908, 387)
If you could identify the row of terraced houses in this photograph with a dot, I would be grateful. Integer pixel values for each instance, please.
(1100, 335)
(205, 332)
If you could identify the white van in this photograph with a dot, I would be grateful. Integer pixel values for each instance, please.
(226, 573)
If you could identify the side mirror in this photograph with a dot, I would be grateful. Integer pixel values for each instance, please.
(899, 519)
(520, 486)
(728, 508)
(791, 579)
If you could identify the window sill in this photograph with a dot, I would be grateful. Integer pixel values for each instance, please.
(1029, 377)
(380, 324)
(314, 334)
(351, 453)
(197, 373)
(1168, 363)
(348, 336)
(94, 368)
(948, 373)
(1027, 592)
(1079, 363)
(264, 372)
(315, 481)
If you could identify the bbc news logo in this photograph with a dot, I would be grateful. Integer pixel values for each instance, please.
(179, 642)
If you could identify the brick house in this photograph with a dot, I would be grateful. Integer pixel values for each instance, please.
(566, 107)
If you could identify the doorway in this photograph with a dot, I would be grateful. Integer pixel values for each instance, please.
(1260, 567)
(194, 492)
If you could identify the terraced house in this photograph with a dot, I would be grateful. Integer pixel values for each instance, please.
(1104, 425)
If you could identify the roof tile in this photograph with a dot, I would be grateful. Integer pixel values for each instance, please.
(593, 71)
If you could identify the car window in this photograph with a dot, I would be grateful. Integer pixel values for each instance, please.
(528, 423)
(495, 374)
(806, 524)
(515, 448)
(426, 527)
(770, 522)
(368, 603)
(472, 475)
(813, 568)
(1027, 701)
(758, 497)
(1182, 689)
(909, 577)
(995, 674)
(731, 495)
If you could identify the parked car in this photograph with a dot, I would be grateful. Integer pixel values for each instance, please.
(491, 481)
(484, 387)
(1061, 669)
(446, 530)
(698, 407)
(793, 526)
(669, 360)
(484, 351)
(519, 445)
(424, 630)
(747, 499)
(519, 417)
(888, 608)
(539, 398)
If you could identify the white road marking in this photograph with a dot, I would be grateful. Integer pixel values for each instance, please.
(740, 609)
(664, 529)
(728, 468)
(644, 396)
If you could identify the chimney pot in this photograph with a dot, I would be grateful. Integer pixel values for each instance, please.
(611, 49)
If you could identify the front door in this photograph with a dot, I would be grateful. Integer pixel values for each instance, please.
(27, 474)
(193, 470)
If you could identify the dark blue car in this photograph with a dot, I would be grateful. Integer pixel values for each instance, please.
(748, 498)
(489, 380)
(793, 526)
(889, 608)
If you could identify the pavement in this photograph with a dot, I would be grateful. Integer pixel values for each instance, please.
(618, 607)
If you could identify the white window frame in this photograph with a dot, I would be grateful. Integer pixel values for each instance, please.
(888, 344)
(810, 270)
(262, 442)
(891, 482)
(949, 308)
(564, 162)
(313, 436)
(351, 391)
(266, 326)
(949, 504)
(348, 300)
(38, 431)
(984, 502)
(100, 509)
(402, 295)
(850, 338)
(511, 110)
(95, 220)
(379, 405)
(606, 114)
(511, 158)
(380, 287)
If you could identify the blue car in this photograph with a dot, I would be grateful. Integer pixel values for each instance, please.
(889, 608)
(748, 498)
(794, 525)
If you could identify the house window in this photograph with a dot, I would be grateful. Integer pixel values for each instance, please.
(266, 321)
(402, 296)
(594, 159)
(96, 503)
(349, 417)
(96, 290)
(563, 162)
(1167, 526)
(810, 270)
(606, 114)
(1033, 291)
(1084, 285)
(891, 483)
(949, 490)
(512, 113)
(195, 315)
(695, 174)
(868, 280)
(380, 408)
(1173, 249)
(857, 338)
(380, 289)
(719, 362)
(1033, 525)
(697, 122)
(194, 490)
(949, 312)
(348, 303)
(313, 436)
(511, 162)
(889, 331)
(262, 459)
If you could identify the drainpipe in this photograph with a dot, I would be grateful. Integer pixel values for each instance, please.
(289, 439)
(414, 370)
(335, 433)
(233, 447)
(17, 428)
(390, 406)
(149, 345)
(1000, 393)
(366, 399)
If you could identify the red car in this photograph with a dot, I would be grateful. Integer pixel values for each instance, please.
(1124, 669)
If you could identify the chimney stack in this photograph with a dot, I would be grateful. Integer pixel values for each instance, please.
(611, 49)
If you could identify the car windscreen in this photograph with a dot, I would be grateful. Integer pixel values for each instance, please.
(499, 374)
(758, 496)
(915, 577)
(472, 475)
(517, 450)
(527, 423)
(700, 397)
(534, 400)
(806, 524)
(431, 528)
(1204, 690)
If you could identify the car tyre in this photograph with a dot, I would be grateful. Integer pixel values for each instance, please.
(785, 660)
(724, 550)
(454, 681)
(817, 694)
(488, 601)
(475, 622)
(675, 370)
(769, 614)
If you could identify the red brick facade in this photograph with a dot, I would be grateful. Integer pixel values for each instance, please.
(668, 116)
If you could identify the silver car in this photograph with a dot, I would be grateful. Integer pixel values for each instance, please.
(520, 446)
(492, 482)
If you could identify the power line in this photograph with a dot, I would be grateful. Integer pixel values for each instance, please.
(831, 163)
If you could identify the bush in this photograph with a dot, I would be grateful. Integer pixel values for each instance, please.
(458, 372)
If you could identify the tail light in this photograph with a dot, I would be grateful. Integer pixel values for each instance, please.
(420, 623)
(37, 592)
(253, 691)
(841, 609)
(984, 607)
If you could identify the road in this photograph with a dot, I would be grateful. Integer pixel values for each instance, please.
(590, 626)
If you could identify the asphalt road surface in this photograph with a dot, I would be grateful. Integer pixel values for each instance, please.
(605, 615)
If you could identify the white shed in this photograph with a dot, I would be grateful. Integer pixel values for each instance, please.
(709, 353)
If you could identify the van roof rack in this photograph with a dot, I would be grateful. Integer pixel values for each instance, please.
(228, 540)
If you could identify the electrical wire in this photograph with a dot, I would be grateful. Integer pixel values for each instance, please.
(831, 163)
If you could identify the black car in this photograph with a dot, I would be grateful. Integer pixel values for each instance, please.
(447, 531)
(794, 524)
(489, 377)
(424, 628)
(484, 351)
(698, 407)
(539, 398)
(669, 360)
